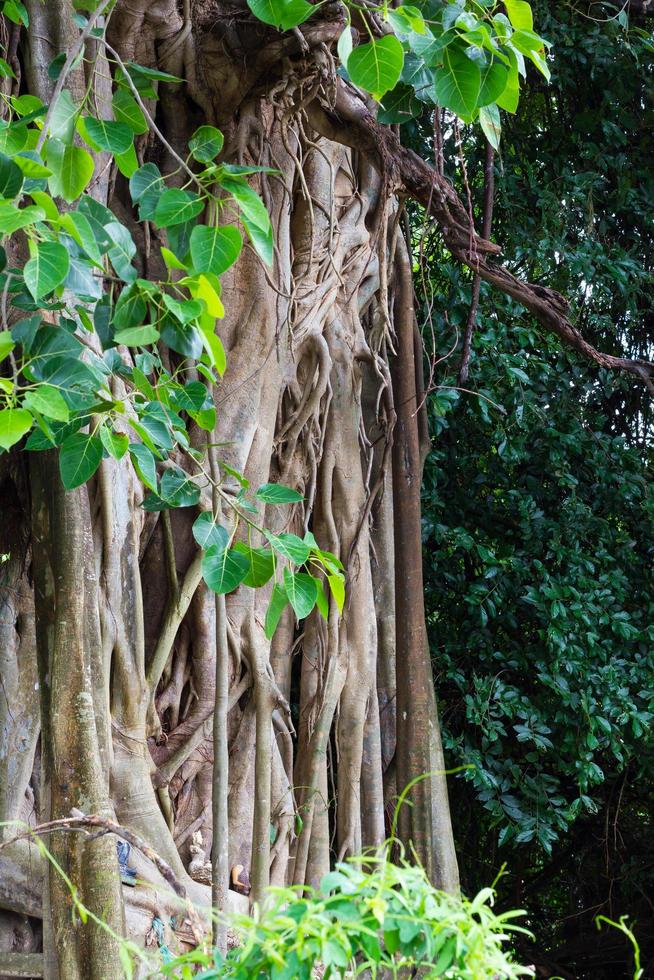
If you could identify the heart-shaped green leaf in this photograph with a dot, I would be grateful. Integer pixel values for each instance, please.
(79, 458)
(47, 268)
(377, 66)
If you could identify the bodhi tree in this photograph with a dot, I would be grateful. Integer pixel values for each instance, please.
(210, 415)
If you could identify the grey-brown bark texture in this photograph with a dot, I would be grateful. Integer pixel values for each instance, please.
(108, 600)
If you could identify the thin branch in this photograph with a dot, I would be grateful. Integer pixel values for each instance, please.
(487, 221)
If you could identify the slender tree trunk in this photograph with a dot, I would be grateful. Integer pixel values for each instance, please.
(424, 826)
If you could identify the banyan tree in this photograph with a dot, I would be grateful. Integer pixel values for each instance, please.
(212, 627)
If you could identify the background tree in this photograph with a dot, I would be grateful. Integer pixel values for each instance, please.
(538, 511)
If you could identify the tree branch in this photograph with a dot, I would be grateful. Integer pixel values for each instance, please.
(350, 122)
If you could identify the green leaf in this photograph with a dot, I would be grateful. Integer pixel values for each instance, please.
(11, 178)
(277, 493)
(115, 443)
(250, 204)
(399, 106)
(215, 249)
(520, 14)
(131, 308)
(223, 569)
(6, 71)
(56, 65)
(178, 489)
(489, 118)
(321, 599)
(12, 137)
(105, 134)
(72, 168)
(31, 166)
(171, 261)
(122, 251)
(79, 228)
(457, 83)
(47, 268)
(301, 590)
(209, 533)
(377, 66)
(290, 546)
(47, 401)
(276, 606)
(14, 423)
(127, 111)
(282, 14)
(337, 587)
(137, 336)
(79, 458)
(176, 206)
(6, 343)
(261, 564)
(62, 124)
(345, 45)
(510, 96)
(206, 143)
(127, 162)
(254, 214)
(262, 240)
(144, 463)
(15, 11)
(151, 73)
(494, 79)
(146, 186)
(13, 218)
(185, 310)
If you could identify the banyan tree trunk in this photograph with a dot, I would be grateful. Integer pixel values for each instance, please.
(109, 636)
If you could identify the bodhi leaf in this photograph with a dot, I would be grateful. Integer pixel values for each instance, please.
(261, 564)
(209, 533)
(72, 168)
(489, 118)
(277, 493)
(176, 206)
(127, 110)
(457, 83)
(47, 401)
(122, 251)
(105, 134)
(302, 591)
(282, 14)
(206, 143)
(115, 443)
(13, 218)
(215, 249)
(47, 268)
(223, 569)
(276, 606)
(14, 423)
(289, 546)
(520, 14)
(11, 178)
(377, 66)
(79, 458)
(494, 79)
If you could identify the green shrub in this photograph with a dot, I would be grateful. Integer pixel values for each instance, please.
(369, 915)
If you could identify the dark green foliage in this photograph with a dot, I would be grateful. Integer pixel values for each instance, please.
(539, 514)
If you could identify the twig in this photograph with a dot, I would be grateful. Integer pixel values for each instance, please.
(487, 221)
